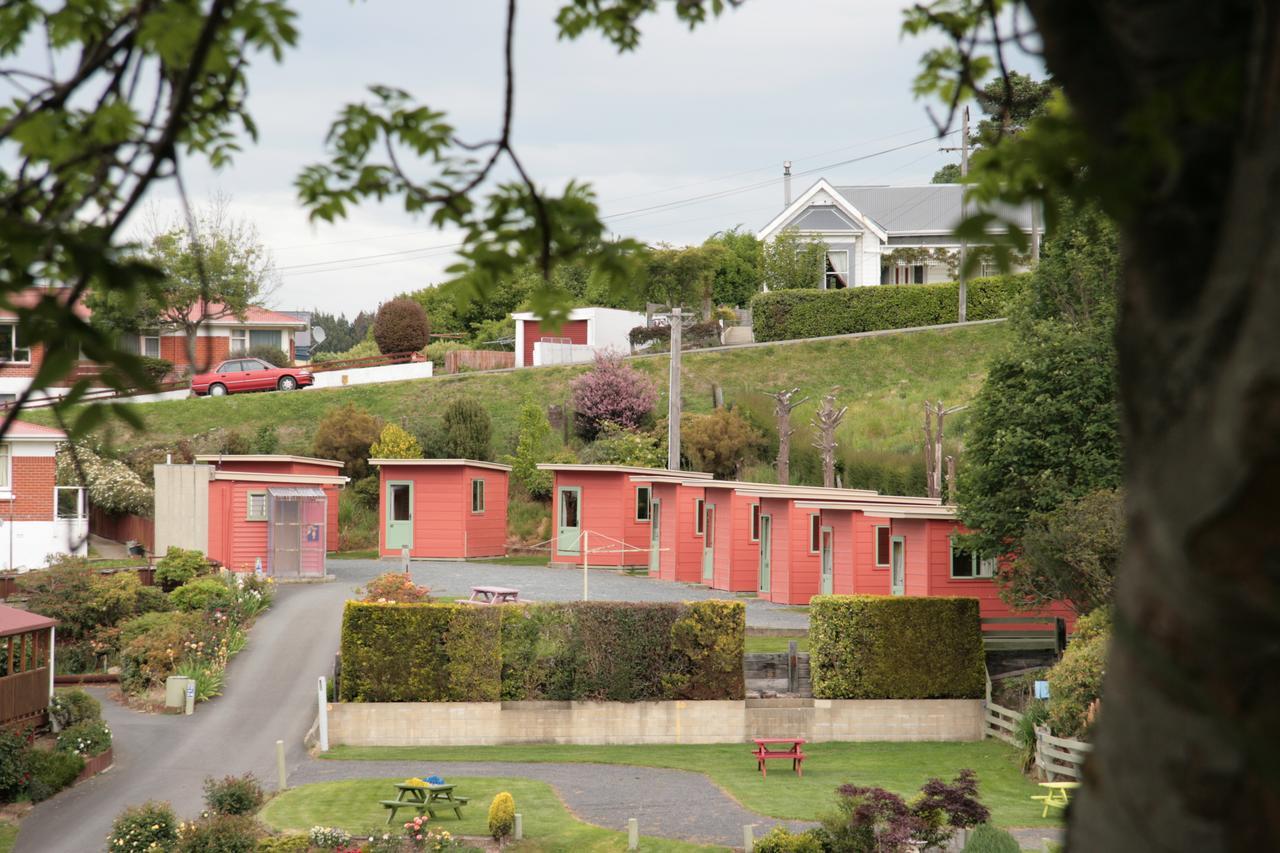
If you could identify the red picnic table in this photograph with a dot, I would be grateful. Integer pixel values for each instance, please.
(770, 748)
(485, 595)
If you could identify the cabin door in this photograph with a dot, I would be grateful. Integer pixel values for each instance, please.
(828, 559)
(898, 565)
(766, 548)
(569, 533)
(655, 537)
(708, 543)
(399, 532)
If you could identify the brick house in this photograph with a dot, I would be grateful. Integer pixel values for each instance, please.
(37, 517)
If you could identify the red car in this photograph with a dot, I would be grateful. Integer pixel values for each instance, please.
(249, 374)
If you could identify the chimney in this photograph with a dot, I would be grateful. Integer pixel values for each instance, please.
(786, 183)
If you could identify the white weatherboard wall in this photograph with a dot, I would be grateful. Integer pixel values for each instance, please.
(677, 722)
(373, 375)
(545, 352)
(28, 544)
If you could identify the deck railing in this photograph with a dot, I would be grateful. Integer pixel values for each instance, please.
(24, 694)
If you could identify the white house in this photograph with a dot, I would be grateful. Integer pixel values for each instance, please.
(883, 234)
(37, 517)
(586, 332)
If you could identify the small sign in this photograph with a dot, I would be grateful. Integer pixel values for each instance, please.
(1042, 690)
(191, 691)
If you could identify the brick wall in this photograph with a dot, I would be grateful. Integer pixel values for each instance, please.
(33, 482)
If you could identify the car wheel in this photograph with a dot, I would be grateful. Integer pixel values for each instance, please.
(287, 383)
(217, 390)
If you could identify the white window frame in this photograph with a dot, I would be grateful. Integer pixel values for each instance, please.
(249, 514)
(477, 506)
(646, 503)
(143, 337)
(875, 546)
(983, 568)
(242, 335)
(14, 348)
(6, 469)
(848, 272)
(815, 533)
(699, 508)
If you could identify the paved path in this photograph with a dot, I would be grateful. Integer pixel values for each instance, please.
(540, 583)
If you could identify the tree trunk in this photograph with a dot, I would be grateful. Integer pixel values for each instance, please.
(1185, 747)
(784, 447)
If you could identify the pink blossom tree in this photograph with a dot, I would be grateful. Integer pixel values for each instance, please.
(612, 392)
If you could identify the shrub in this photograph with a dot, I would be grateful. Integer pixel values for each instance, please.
(293, 842)
(612, 392)
(68, 707)
(660, 336)
(112, 485)
(401, 326)
(151, 646)
(502, 816)
(896, 647)
(208, 677)
(989, 839)
(700, 335)
(943, 808)
(1035, 714)
(146, 828)
(533, 445)
(156, 368)
(393, 586)
(720, 443)
(203, 594)
(1075, 682)
(233, 442)
(269, 354)
(89, 739)
(786, 314)
(467, 430)
(15, 764)
(782, 840)
(870, 820)
(345, 434)
(219, 833)
(266, 440)
(395, 443)
(367, 490)
(329, 837)
(234, 794)
(179, 565)
(51, 771)
(618, 445)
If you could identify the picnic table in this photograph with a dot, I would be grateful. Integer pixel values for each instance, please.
(770, 748)
(424, 798)
(486, 595)
(1058, 797)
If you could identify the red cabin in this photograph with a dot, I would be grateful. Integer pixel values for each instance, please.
(442, 509)
(680, 548)
(735, 542)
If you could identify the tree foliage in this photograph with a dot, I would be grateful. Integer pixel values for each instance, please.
(793, 261)
(395, 442)
(620, 445)
(612, 392)
(401, 326)
(346, 434)
(682, 276)
(739, 269)
(720, 443)
(534, 444)
(1008, 107)
(468, 432)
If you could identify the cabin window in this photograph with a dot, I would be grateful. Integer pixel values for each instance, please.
(755, 522)
(477, 496)
(12, 348)
(970, 564)
(256, 509)
(644, 503)
(699, 509)
(882, 544)
(815, 533)
(837, 270)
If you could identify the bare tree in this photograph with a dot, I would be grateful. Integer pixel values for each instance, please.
(935, 415)
(785, 403)
(826, 420)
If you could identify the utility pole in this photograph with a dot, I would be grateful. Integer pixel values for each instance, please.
(673, 395)
(964, 210)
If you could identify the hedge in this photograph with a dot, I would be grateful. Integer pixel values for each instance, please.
(613, 651)
(786, 314)
(895, 647)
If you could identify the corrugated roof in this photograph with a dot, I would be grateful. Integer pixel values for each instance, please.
(912, 210)
(295, 492)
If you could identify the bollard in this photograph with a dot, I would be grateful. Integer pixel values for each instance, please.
(633, 834)
(280, 771)
(323, 714)
(793, 666)
(518, 832)
(404, 560)
(748, 837)
(191, 696)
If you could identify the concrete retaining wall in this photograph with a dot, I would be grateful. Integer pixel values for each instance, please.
(490, 723)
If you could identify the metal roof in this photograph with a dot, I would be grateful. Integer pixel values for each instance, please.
(295, 492)
(411, 463)
(15, 621)
(914, 210)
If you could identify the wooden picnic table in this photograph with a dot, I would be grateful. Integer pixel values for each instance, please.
(770, 748)
(1059, 796)
(424, 798)
(485, 595)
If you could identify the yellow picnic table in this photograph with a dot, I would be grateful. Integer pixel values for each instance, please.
(1058, 796)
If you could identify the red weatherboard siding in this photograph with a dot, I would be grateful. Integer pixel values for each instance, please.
(239, 543)
(608, 512)
(486, 531)
(681, 557)
(869, 579)
(34, 478)
(779, 510)
(806, 567)
(443, 525)
(575, 331)
(737, 557)
(841, 523)
(278, 466)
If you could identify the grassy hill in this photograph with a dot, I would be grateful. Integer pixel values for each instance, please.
(883, 380)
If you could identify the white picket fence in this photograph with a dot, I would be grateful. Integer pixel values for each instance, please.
(1055, 756)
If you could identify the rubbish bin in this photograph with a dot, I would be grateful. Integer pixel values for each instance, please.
(175, 691)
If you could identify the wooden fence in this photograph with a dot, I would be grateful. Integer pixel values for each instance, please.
(24, 695)
(478, 359)
(366, 361)
(123, 528)
(1055, 756)
(1023, 633)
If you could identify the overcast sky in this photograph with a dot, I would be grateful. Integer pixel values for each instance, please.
(686, 115)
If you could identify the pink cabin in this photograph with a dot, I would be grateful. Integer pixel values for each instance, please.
(724, 551)
(602, 504)
(735, 546)
(442, 509)
(680, 548)
(274, 512)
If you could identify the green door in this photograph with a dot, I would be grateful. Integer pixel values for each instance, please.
(655, 536)
(708, 543)
(898, 565)
(828, 559)
(569, 534)
(766, 546)
(399, 515)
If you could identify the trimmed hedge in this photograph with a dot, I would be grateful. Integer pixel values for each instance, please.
(612, 651)
(895, 647)
(786, 314)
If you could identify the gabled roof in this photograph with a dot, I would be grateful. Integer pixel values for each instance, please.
(29, 297)
(822, 194)
(253, 316)
(33, 432)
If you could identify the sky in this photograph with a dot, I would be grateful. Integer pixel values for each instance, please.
(655, 132)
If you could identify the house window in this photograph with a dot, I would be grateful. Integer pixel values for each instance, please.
(5, 463)
(908, 274)
(815, 533)
(256, 507)
(699, 509)
(988, 267)
(12, 347)
(755, 522)
(969, 564)
(644, 503)
(265, 338)
(882, 544)
(239, 341)
(149, 343)
(837, 271)
(477, 496)
(6, 399)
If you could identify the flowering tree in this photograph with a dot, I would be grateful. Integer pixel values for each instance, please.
(111, 485)
(612, 392)
(395, 443)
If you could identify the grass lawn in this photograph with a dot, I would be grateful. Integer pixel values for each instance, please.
(365, 554)
(517, 560)
(8, 836)
(548, 826)
(899, 767)
(762, 645)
